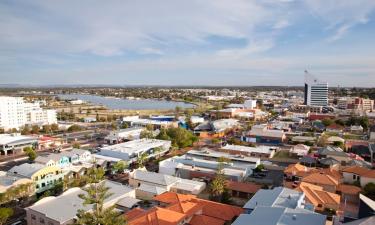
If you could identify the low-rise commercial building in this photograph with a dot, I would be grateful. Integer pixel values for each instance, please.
(135, 121)
(121, 135)
(15, 143)
(131, 150)
(44, 177)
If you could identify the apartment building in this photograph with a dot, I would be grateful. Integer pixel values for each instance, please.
(15, 113)
(355, 103)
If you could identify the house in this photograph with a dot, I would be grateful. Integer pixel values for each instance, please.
(131, 150)
(178, 209)
(264, 215)
(66, 159)
(329, 179)
(358, 174)
(335, 139)
(279, 206)
(320, 199)
(62, 210)
(149, 184)
(243, 190)
(15, 143)
(303, 139)
(44, 177)
(299, 150)
(45, 142)
(335, 153)
(216, 128)
(262, 135)
(121, 135)
(335, 128)
(258, 151)
(277, 197)
(356, 129)
(10, 182)
(295, 172)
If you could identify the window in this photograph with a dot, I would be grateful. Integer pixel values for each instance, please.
(33, 217)
(41, 220)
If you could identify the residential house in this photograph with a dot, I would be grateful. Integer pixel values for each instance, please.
(321, 200)
(335, 153)
(44, 177)
(243, 190)
(149, 184)
(329, 179)
(299, 150)
(9, 182)
(216, 128)
(335, 128)
(179, 209)
(258, 151)
(62, 209)
(358, 174)
(279, 206)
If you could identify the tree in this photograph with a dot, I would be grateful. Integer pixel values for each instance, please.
(180, 137)
(74, 128)
(35, 129)
(218, 184)
(120, 166)
(96, 194)
(141, 160)
(25, 130)
(114, 125)
(54, 127)
(369, 190)
(124, 125)
(146, 134)
(327, 122)
(163, 135)
(46, 129)
(5, 213)
(76, 145)
(30, 153)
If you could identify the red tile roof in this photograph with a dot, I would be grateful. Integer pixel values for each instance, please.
(243, 187)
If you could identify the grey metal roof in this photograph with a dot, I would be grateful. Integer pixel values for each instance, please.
(64, 207)
(26, 169)
(156, 178)
(280, 216)
(278, 197)
(365, 221)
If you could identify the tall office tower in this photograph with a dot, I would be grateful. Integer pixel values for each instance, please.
(316, 91)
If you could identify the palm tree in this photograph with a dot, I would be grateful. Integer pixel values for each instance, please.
(5, 213)
(218, 184)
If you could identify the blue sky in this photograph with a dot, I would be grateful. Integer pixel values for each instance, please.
(175, 42)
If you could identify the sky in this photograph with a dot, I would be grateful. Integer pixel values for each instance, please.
(187, 42)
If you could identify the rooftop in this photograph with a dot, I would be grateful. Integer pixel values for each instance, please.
(258, 149)
(277, 197)
(26, 169)
(6, 139)
(70, 202)
(135, 146)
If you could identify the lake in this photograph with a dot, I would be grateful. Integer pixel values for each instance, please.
(131, 104)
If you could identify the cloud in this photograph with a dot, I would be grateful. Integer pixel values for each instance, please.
(281, 24)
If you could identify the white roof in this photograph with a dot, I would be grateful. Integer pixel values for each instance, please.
(280, 216)
(258, 149)
(151, 177)
(136, 146)
(69, 201)
(6, 139)
(152, 189)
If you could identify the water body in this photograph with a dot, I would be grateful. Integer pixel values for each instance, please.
(132, 104)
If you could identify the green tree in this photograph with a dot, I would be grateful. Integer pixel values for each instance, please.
(218, 184)
(96, 194)
(26, 130)
(124, 125)
(146, 134)
(35, 129)
(369, 190)
(181, 137)
(30, 153)
(54, 127)
(76, 145)
(46, 129)
(163, 135)
(5, 213)
(114, 125)
(119, 166)
(327, 122)
(142, 159)
(74, 128)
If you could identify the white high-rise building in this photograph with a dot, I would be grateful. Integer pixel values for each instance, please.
(15, 113)
(316, 91)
